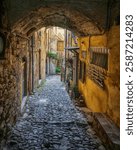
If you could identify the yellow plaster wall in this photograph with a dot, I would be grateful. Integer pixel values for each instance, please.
(114, 74)
(98, 41)
(97, 99)
(84, 46)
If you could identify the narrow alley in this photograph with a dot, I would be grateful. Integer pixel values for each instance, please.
(60, 75)
(51, 122)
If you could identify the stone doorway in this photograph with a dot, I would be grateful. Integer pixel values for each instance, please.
(24, 78)
(39, 64)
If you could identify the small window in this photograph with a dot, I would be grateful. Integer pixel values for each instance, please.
(99, 57)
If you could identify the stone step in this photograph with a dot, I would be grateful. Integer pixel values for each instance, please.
(107, 130)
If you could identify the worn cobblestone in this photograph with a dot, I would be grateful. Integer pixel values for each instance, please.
(52, 122)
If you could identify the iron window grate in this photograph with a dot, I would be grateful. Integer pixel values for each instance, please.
(98, 65)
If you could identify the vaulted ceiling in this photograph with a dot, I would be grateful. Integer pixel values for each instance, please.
(83, 17)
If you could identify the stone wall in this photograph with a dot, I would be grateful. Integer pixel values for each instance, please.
(14, 80)
(9, 98)
(43, 53)
(11, 83)
(39, 56)
(77, 15)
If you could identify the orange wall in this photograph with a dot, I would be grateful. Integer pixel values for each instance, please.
(104, 100)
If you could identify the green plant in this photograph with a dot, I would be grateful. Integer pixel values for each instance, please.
(58, 69)
(52, 55)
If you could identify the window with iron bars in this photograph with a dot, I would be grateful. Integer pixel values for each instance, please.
(98, 66)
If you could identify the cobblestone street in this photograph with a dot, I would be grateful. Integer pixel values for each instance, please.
(52, 122)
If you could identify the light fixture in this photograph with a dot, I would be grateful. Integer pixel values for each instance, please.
(2, 45)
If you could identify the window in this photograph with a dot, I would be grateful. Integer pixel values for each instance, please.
(60, 45)
(99, 57)
(98, 66)
(82, 75)
(97, 75)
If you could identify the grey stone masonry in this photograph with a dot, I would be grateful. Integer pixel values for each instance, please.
(52, 122)
(107, 131)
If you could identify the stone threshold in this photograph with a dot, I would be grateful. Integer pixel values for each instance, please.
(107, 131)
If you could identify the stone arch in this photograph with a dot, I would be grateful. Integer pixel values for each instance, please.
(69, 19)
(82, 17)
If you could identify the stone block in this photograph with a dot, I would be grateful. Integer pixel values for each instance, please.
(107, 130)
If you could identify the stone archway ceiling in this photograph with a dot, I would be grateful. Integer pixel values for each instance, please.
(84, 17)
(55, 16)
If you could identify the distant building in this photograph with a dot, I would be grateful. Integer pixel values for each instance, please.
(55, 48)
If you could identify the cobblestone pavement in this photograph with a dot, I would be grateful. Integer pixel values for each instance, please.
(51, 122)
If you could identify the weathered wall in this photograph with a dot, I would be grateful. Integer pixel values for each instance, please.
(114, 74)
(10, 76)
(43, 53)
(39, 56)
(105, 100)
(20, 57)
(96, 101)
(14, 81)
(36, 68)
(9, 98)
(11, 85)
